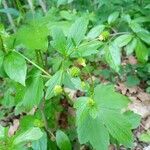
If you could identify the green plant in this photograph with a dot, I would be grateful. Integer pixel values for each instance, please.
(65, 50)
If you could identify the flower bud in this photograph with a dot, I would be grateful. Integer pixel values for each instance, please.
(81, 62)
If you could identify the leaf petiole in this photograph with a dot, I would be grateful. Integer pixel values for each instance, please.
(34, 64)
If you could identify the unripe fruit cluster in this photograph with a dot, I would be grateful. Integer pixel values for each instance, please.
(104, 36)
(58, 90)
(91, 102)
(74, 71)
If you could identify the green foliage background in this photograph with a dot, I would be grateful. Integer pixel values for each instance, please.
(51, 49)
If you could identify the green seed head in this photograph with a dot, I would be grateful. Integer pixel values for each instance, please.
(58, 90)
(104, 36)
(74, 71)
(38, 123)
(91, 102)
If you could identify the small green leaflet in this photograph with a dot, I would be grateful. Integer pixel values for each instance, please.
(145, 137)
(2, 131)
(126, 18)
(144, 36)
(132, 81)
(133, 118)
(32, 134)
(62, 140)
(78, 30)
(8, 100)
(59, 40)
(142, 19)
(112, 18)
(95, 122)
(96, 132)
(95, 32)
(63, 2)
(131, 46)
(67, 15)
(33, 36)
(33, 91)
(1, 64)
(87, 49)
(119, 127)
(40, 144)
(113, 56)
(11, 11)
(123, 40)
(147, 6)
(89, 129)
(136, 27)
(56, 79)
(72, 83)
(15, 67)
(141, 52)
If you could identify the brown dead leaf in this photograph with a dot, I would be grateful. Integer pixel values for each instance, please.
(122, 88)
(143, 96)
(71, 93)
(32, 111)
(133, 90)
(14, 127)
(71, 111)
(142, 109)
(132, 60)
(147, 123)
(132, 98)
(112, 147)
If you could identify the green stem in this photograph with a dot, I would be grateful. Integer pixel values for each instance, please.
(20, 7)
(45, 61)
(37, 57)
(3, 48)
(34, 64)
(119, 33)
(42, 61)
(92, 82)
(42, 107)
